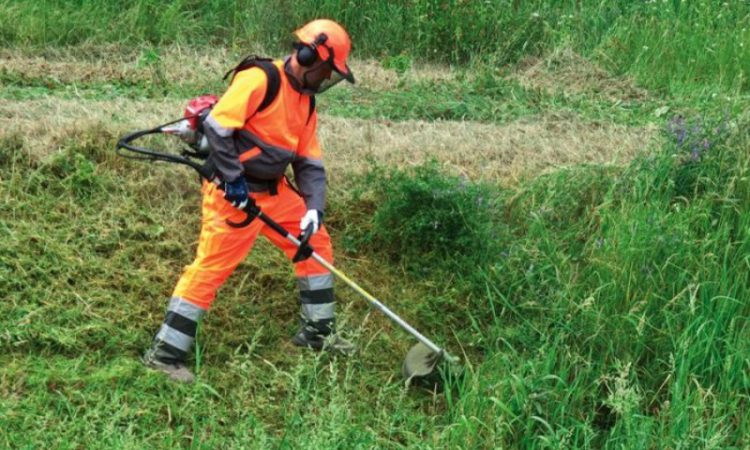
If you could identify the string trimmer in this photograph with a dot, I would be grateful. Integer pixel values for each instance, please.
(422, 358)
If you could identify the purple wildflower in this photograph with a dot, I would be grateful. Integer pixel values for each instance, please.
(463, 182)
(678, 129)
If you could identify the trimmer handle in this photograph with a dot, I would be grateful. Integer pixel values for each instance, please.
(304, 250)
(126, 143)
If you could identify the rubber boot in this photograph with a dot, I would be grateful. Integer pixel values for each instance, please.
(320, 335)
(174, 340)
(175, 369)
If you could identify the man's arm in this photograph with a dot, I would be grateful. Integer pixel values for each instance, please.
(238, 103)
(309, 172)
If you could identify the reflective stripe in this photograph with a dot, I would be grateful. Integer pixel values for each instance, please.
(181, 323)
(318, 312)
(185, 308)
(218, 129)
(174, 338)
(315, 283)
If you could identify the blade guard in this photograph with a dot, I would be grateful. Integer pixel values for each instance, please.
(420, 361)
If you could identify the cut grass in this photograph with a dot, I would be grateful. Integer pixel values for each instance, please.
(416, 94)
(493, 152)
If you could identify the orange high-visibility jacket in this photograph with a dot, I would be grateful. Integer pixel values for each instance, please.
(261, 144)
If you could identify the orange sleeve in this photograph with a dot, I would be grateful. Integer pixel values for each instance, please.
(242, 99)
(308, 146)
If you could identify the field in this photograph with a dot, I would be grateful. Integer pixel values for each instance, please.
(558, 192)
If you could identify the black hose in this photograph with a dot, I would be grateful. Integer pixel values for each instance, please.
(143, 153)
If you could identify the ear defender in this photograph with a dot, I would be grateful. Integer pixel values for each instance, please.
(307, 54)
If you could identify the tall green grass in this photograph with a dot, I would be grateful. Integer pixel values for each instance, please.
(673, 46)
(427, 220)
(610, 309)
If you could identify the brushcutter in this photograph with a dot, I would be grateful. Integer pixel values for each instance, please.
(422, 358)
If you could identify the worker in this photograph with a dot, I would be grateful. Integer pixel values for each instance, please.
(265, 121)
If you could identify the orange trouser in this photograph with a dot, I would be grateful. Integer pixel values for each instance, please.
(221, 248)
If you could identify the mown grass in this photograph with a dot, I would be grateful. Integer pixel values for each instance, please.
(490, 99)
(87, 269)
(483, 96)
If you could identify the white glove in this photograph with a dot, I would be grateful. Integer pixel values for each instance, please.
(312, 216)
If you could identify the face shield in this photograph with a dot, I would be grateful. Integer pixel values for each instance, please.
(326, 72)
(320, 79)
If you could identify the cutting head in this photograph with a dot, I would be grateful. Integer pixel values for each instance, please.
(420, 362)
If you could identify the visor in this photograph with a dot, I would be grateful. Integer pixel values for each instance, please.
(339, 67)
(344, 72)
(333, 79)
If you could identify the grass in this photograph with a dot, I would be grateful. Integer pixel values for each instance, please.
(608, 313)
(600, 303)
(668, 46)
(488, 98)
(563, 83)
(62, 309)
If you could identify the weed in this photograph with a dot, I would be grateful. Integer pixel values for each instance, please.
(427, 219)
(399, 63)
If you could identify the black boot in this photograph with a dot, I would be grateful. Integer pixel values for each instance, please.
(156, 359)
(174, 340)
(321, 336)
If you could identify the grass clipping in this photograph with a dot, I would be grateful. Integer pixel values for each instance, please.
(502, 153)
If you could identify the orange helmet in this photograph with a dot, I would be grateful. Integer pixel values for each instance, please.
(332, 43)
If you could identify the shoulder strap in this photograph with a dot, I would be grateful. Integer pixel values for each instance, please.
(274, 80)
(272, 74)
(312, 108)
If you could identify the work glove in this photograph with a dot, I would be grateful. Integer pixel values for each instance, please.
(314, 217)
(236, 193)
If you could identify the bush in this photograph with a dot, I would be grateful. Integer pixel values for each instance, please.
(426, 219)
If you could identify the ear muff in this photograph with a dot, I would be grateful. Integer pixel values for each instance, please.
(306, 55)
